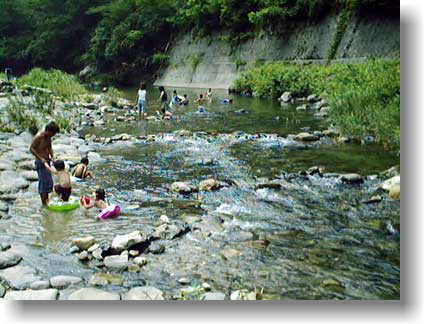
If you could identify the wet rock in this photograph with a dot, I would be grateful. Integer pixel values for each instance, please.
(2, 290)
(40, 285)
(394, 192)
(343, 140)
(312, 98)
(182, 188)
(93, 294)
(316, 170)
(46, 294)
(164, 219)
(98, 281)
(270, 185)
(184, 281)
(104, 279)
(302, 108)
(366, 140)
(30, 175)
(352, 178)
(19, 277)
(93, 248)
(84, 243)
(156, 247)
(4, 207)
(373, 200)
(210, 185)
(306, 137)
(330, 132)
(390, 183)
(133, 268)
(184, 133)
(83, 256)
(123, 242)
(214, 296)
(243, 295)
(116, 262)
(74, 249)
(206, 286)
(97, 254)
(286, 97)
(144, 293)
(61, 282)
(7, 165)
(241, 111)
(90, 106)
(140, 261)
(191, 219)
(392, 172)
(134, 253)
(4, 246)
(12, 182)
(9, 259)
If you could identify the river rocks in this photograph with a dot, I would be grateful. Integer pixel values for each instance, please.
(392, 172)
(104, 279)
(46, 294)
(243, 295)
(140, 261)
(124, 242)
(352, 178)
(64, 281)
(30, 175)
(330, 132)
(210, 185)
(12, 182)
(84, 243)
(373, 200)
(285, 97)
(306, 137)
(6, 165)
(4, 207)
(183, 133)
(312, 98)
(116, 262)
(83, 256)
(9, 259)
(19, 277)
(302, 108)
(213, 296)
(388, 184)
(156, 247)
(40, 285)
(394, 192)
(182, 188)
(184, 281)
(2, 291)
(97, 254)
(144, 293)
(87, 72)
(230, 253)
(93, 294)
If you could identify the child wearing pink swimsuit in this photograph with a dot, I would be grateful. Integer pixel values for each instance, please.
(107, 211)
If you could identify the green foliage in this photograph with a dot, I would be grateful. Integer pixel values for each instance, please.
(240, 63)
(160, 59)
(195, 60)
(112, 96)
(364, 98)
(60, 83)
(22, 117)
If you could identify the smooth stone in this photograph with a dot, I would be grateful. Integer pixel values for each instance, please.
(230, 253)
(144, 293)
(9, 259)
(286, 97)
(206, 286)
(30, 175)
(93, 248)
(74, 249)
(5, 246)
(156, 248)
(64, 281)
(134, 253)
(40, 285)
(243, 295)
(12, 182)
(352, 178)
(395, 192)
(184, 281)
(83, 256)
(93, 294)
(182, 187)
(116, 262)
(306, 137)
(44, 294)
(164, 219)
(210, 185)
(84, 243)
(123, 242)
(19, 277)
(389, 183)
(2, 291)
(214, 296)
(97, 254)
(4, 207)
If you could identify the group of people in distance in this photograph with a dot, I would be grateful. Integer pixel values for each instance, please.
(46, 165)
(165, 111)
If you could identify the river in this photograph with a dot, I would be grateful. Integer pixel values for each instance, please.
(310, 237)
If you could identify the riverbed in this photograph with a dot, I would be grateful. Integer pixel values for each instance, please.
(272, 227)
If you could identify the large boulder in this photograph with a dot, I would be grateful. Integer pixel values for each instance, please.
(285, 97)
(93, 294)
(45, 294)
(144, 293)
(388, 184)
(124, 242)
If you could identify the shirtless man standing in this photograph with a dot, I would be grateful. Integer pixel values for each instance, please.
(41, 148)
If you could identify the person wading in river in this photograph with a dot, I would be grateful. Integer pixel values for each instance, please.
(41, 148)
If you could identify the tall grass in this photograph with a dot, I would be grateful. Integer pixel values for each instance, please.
(60, 83)
(364, 98)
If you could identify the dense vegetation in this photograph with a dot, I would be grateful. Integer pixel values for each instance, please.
(364, 98)
(125, 37)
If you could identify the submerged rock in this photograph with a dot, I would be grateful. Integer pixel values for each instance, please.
(124, 242)
(64, 281)
(116, 262)
(84, 243)
(9, 259)
(19, 277)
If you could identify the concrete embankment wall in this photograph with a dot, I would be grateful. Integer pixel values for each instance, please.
(213, 62)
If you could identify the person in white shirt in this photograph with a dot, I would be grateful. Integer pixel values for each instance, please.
(142, 100)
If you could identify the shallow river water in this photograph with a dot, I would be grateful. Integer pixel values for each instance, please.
(309, 237)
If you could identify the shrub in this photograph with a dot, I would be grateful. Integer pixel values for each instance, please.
(60, 83)
(160, 59)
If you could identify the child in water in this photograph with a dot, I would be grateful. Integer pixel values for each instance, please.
(81, 170)
(106, 211)
(63, 188)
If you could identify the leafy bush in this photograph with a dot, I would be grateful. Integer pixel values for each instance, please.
(364, 98)
(60, 83)
(160, 59)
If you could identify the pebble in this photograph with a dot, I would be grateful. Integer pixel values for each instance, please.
(184, 281)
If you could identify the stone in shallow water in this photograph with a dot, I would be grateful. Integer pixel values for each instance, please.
(123, 242)
(19, 277)
(352, 178)
(2, 291)
(4, 207)
(140, 261)
(40, 285)
(84, 243)
(9, 259)
(116, 262)
(230, 253)
(64, 281)
(144, 293)
(156, 248)
(30, 175)
(12, 182)
(46, 294)
(93, 294)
